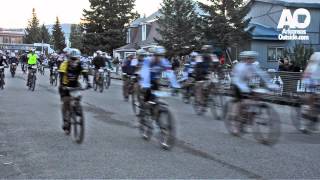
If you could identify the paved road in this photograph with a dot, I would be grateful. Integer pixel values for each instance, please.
(32, 144)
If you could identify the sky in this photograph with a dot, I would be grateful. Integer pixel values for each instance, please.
(16, 13)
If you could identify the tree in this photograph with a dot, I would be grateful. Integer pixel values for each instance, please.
(177, 27)
(33, 30)
(103, 25)
(224, 22)
(299, 54)
(58, 36)
(44, 34)
(76, 37)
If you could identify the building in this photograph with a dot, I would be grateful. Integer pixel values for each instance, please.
(265, 16)
(11, 36)
(140, 34)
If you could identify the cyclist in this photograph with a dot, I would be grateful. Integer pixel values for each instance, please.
(98, 62)
(53, 62)
(24, 61)
(311, 79)
(13, 59)
(204, 66)
(32, 60)
(188, 74)
(151, 71)
(129, 69)
(3, 59)
(70, 71)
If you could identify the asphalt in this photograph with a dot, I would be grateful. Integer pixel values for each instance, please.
(32, 144)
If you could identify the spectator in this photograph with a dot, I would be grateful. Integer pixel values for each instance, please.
(285, 66)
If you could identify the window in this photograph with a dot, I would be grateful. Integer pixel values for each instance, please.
(144, 32)
(129, 36)
(275, 53)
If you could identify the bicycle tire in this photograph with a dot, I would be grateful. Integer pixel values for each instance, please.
(33, 83)
(77, 122)
(167, 129)
(216, 106)
(101, 85)
(145, 125)
(272, 121)
(1, 82)
(232, 124)
(56, 80)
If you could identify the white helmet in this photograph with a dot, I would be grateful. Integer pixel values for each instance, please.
(99, 52)
(141, 52)
(194, 54)
(315, 57)
(249, 54)
(74, 53)
(160, 51)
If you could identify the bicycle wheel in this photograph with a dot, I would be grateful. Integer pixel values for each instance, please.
(77, 122)
(232, 123)
(166, 124)
(1, 82)
(101, 85)
(216, 106)
(266, 125)
(107, 81)
(145, 125)
(135, 101)
(56, 80)
(51, 80)
(33, 82)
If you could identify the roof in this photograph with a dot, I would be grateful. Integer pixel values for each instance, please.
(261, 32)
(294, 3)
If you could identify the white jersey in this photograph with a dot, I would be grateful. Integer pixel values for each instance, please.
(312, 74)
(244, 75)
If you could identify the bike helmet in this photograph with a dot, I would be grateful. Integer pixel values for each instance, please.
(249, 54)
(315, 57)
(74, 54)
(141, 52)
(159, 51)
(194, 54)
(99, 52)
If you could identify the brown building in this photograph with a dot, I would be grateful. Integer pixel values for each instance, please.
(11, 36)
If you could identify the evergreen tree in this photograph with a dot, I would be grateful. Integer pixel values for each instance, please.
(104, 24)
(33, 30)
(45, 35)
(76, 37)
(58, 36)
(178, 27)
(224, 22)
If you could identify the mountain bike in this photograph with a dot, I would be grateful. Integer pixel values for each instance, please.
(107, 79)
(260, 116)
(32, 77)
(2, 76)
(73, 113)
(54, 76)
(306, 114)
(13, 68)
(155, 114)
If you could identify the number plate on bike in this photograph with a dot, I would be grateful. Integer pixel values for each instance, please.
(75, 94)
